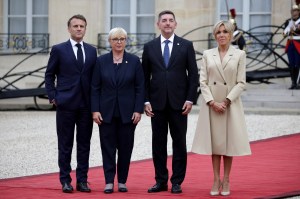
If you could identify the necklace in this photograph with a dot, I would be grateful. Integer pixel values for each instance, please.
(117, 59)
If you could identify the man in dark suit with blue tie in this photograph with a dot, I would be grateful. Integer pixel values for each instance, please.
(171, 79)
(68, 81)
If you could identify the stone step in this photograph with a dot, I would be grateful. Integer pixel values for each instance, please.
(272, 98)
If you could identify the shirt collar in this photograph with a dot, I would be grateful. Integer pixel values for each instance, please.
(171, 39)
(296, 19)
(73, 42)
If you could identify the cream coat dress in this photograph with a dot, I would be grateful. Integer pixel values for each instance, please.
(222, 134)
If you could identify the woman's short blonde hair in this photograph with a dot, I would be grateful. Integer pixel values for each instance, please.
(228, 26)
(117, 32)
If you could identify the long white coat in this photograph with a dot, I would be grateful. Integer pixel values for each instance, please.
(222, 134)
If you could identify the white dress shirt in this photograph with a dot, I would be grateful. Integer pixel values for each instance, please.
(162, 43)
(75, 48)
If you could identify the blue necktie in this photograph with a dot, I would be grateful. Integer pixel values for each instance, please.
(79, 55)
(166, 52)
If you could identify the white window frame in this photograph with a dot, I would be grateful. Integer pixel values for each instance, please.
(133, 16)
(245, 13)
(29, 16)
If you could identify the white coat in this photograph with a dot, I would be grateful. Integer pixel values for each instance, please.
(222, 134)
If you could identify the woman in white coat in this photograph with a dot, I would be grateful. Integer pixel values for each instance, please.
(221, 128)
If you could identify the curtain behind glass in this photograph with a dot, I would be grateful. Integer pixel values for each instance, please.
(40, 25)
(17, 25)
(145, 24)
(17, 7)
(18, 16)
(260, 5)
(145, 7)
(40, 7)
(121, 12)
(122, 22)
(120, 7)
(259, 12)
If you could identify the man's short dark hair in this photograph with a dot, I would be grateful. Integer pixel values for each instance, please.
(78, 16)
(166, 12)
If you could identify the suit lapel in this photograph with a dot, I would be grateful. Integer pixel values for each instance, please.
(110, 66)
(157, 50)
(227, 57)
(71, 52)
(123, 69)
(175, 50)
(217, 59)
(86, 50)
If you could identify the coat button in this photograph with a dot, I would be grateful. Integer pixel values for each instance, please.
(215, 83)
(224, 83)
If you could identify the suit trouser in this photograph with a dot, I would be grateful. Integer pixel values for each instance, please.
(178, 127)
(65, 124)
(116, 136)
(294, 62)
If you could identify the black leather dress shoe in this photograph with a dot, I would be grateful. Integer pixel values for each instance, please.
(158, 187)
(67, 187)
(123, 189)
(176, 188)
(83, 187)
(109, 188)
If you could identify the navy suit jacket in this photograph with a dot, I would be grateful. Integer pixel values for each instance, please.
(173, 84)
(72, 84)
(124, 88)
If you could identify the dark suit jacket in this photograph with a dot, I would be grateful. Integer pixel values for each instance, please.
(176, 83)
(125, 88)
(71, 81)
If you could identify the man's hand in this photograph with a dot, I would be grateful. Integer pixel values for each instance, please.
(148, 110)
(97, 117)
(187, 107)
(136, 117)
(53, 102)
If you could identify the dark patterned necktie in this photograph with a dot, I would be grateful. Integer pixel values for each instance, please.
(166, 52)
(79, 55)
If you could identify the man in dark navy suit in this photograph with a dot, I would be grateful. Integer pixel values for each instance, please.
(68, 81)
(171, 79)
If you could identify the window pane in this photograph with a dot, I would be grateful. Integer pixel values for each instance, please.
(40, 7)
(145, 6)
(224, 17)
(17, 25)
(40, 25)
(236, 4)
(238, 19)
(120, 6)
(145, 25)
(16, 7)
(260, 20)
(260, 5)
(122, 22)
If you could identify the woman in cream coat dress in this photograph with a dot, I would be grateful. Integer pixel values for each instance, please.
(221, 128)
